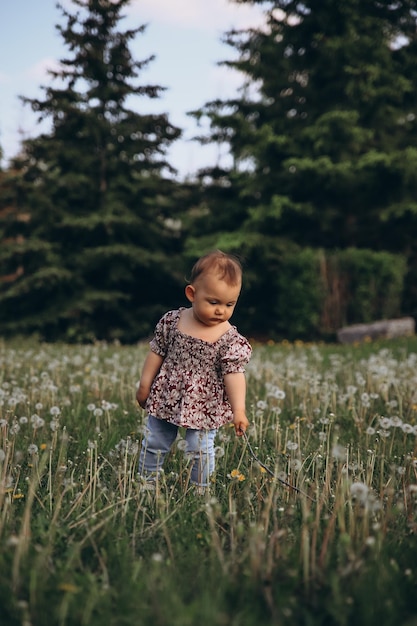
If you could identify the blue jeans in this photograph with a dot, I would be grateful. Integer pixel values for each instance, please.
(158, 439)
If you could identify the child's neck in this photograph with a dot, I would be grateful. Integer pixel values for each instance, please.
(190, 325)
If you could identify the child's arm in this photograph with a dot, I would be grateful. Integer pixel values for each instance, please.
(150, 369)
(236, 392)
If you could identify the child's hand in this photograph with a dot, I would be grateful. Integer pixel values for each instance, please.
(240, 422)
(141, 398)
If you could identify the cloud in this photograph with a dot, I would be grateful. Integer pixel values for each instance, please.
(208, 15)
(4, 78)
(39, 71)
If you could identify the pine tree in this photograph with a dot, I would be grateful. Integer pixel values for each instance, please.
(98, 253)
(323, 136)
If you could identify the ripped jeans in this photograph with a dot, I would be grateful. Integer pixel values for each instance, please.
(157, 441)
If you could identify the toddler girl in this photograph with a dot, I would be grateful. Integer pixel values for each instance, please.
(193, 375)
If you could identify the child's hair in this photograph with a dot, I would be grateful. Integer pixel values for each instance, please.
(225, 265)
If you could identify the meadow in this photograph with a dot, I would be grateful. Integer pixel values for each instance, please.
(311, 520)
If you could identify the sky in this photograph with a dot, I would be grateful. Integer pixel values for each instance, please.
(183, 35)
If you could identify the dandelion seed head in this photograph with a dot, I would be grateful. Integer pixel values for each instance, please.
(182, 445)
(279, 394)
(359, 491)
(385, 422)
(338, 452)
(36, 421)
(396, 421)
(292, 445)
(218, 452)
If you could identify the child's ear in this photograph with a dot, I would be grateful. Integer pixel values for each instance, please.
(189, 293)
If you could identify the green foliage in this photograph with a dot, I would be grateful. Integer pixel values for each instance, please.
(323, 136)
(319, 200)
(100, 209)
(374, 281)
(292, 292)
(361, 286)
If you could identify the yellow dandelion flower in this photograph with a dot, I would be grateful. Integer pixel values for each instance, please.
(43, 446)
(241, 478)
(262, 469)
(234, 473)
(17, 496)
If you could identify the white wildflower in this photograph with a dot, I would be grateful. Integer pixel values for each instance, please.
(359, 491)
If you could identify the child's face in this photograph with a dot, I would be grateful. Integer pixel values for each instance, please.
(213, 300)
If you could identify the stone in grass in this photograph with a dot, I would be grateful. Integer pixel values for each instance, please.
(383, 329)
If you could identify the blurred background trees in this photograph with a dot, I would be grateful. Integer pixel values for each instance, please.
(100, 239)
(97, 234)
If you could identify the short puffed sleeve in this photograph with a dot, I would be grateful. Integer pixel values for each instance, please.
(235, 355)
(159, 343)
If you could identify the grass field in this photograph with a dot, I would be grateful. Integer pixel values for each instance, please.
(83, 543)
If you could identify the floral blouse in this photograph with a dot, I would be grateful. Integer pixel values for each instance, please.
(189, 389)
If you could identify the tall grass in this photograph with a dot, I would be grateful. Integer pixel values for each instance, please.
(312, 521)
